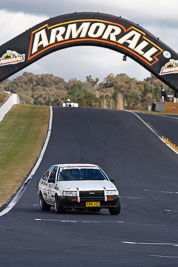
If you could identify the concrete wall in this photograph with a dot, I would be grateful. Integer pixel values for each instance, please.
(12, 100)
(160, 106)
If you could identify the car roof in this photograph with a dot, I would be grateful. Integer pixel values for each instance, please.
(76, 165)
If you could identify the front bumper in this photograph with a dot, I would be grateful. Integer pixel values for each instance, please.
(72, 202)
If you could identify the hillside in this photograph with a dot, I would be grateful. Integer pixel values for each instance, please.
(116, 92)
(22, 134)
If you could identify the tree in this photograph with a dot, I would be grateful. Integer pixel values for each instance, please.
(116, 91)
(76, 92)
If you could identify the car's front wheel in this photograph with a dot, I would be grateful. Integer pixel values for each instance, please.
(43, 205)
(116, 210)
(58, 206)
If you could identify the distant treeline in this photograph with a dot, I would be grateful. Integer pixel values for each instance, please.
(116, 91)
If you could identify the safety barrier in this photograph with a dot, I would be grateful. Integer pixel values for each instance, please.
(167, 107)
(12, 100)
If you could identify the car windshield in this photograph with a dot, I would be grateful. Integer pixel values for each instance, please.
(73, 174)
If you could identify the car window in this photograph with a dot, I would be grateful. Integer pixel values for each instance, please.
(45, 176)
(73, 174)
(53, 173)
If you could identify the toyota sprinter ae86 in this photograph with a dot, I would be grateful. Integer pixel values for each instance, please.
(77, 186)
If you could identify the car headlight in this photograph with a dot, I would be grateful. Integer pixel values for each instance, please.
(112, 192)
(69, 193)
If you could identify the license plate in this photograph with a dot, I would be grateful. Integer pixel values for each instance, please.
(92, 204)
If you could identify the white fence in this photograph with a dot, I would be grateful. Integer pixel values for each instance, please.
(12, 100)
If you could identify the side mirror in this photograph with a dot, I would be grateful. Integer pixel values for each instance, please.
(112, 180)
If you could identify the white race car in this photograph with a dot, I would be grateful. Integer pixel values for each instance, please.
(77, 186)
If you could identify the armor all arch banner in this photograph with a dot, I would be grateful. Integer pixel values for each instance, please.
(94, 29)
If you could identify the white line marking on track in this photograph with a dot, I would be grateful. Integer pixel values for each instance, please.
(129, 242)
(68, 221)
(171, 210)
(76, 221)
(150, 243)
(35, 205)
(164, 256)
(166, 116)
(26, 182)
(131, 197)
(160, 191)
(146, 198)
(153, 131)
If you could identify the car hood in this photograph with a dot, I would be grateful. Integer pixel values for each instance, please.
(86, 185)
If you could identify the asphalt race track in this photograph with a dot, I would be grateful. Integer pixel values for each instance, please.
(146, 173)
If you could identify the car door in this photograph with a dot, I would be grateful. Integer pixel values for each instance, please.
(51, 185)
(43, 184)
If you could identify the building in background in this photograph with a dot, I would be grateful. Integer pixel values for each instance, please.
(70, 104)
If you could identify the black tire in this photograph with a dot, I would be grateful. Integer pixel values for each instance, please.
(116, 210)
(58, 206)
(43, 205)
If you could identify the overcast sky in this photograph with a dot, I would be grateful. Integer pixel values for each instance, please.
(158, 16)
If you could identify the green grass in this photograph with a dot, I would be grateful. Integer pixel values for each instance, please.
(22, 134)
